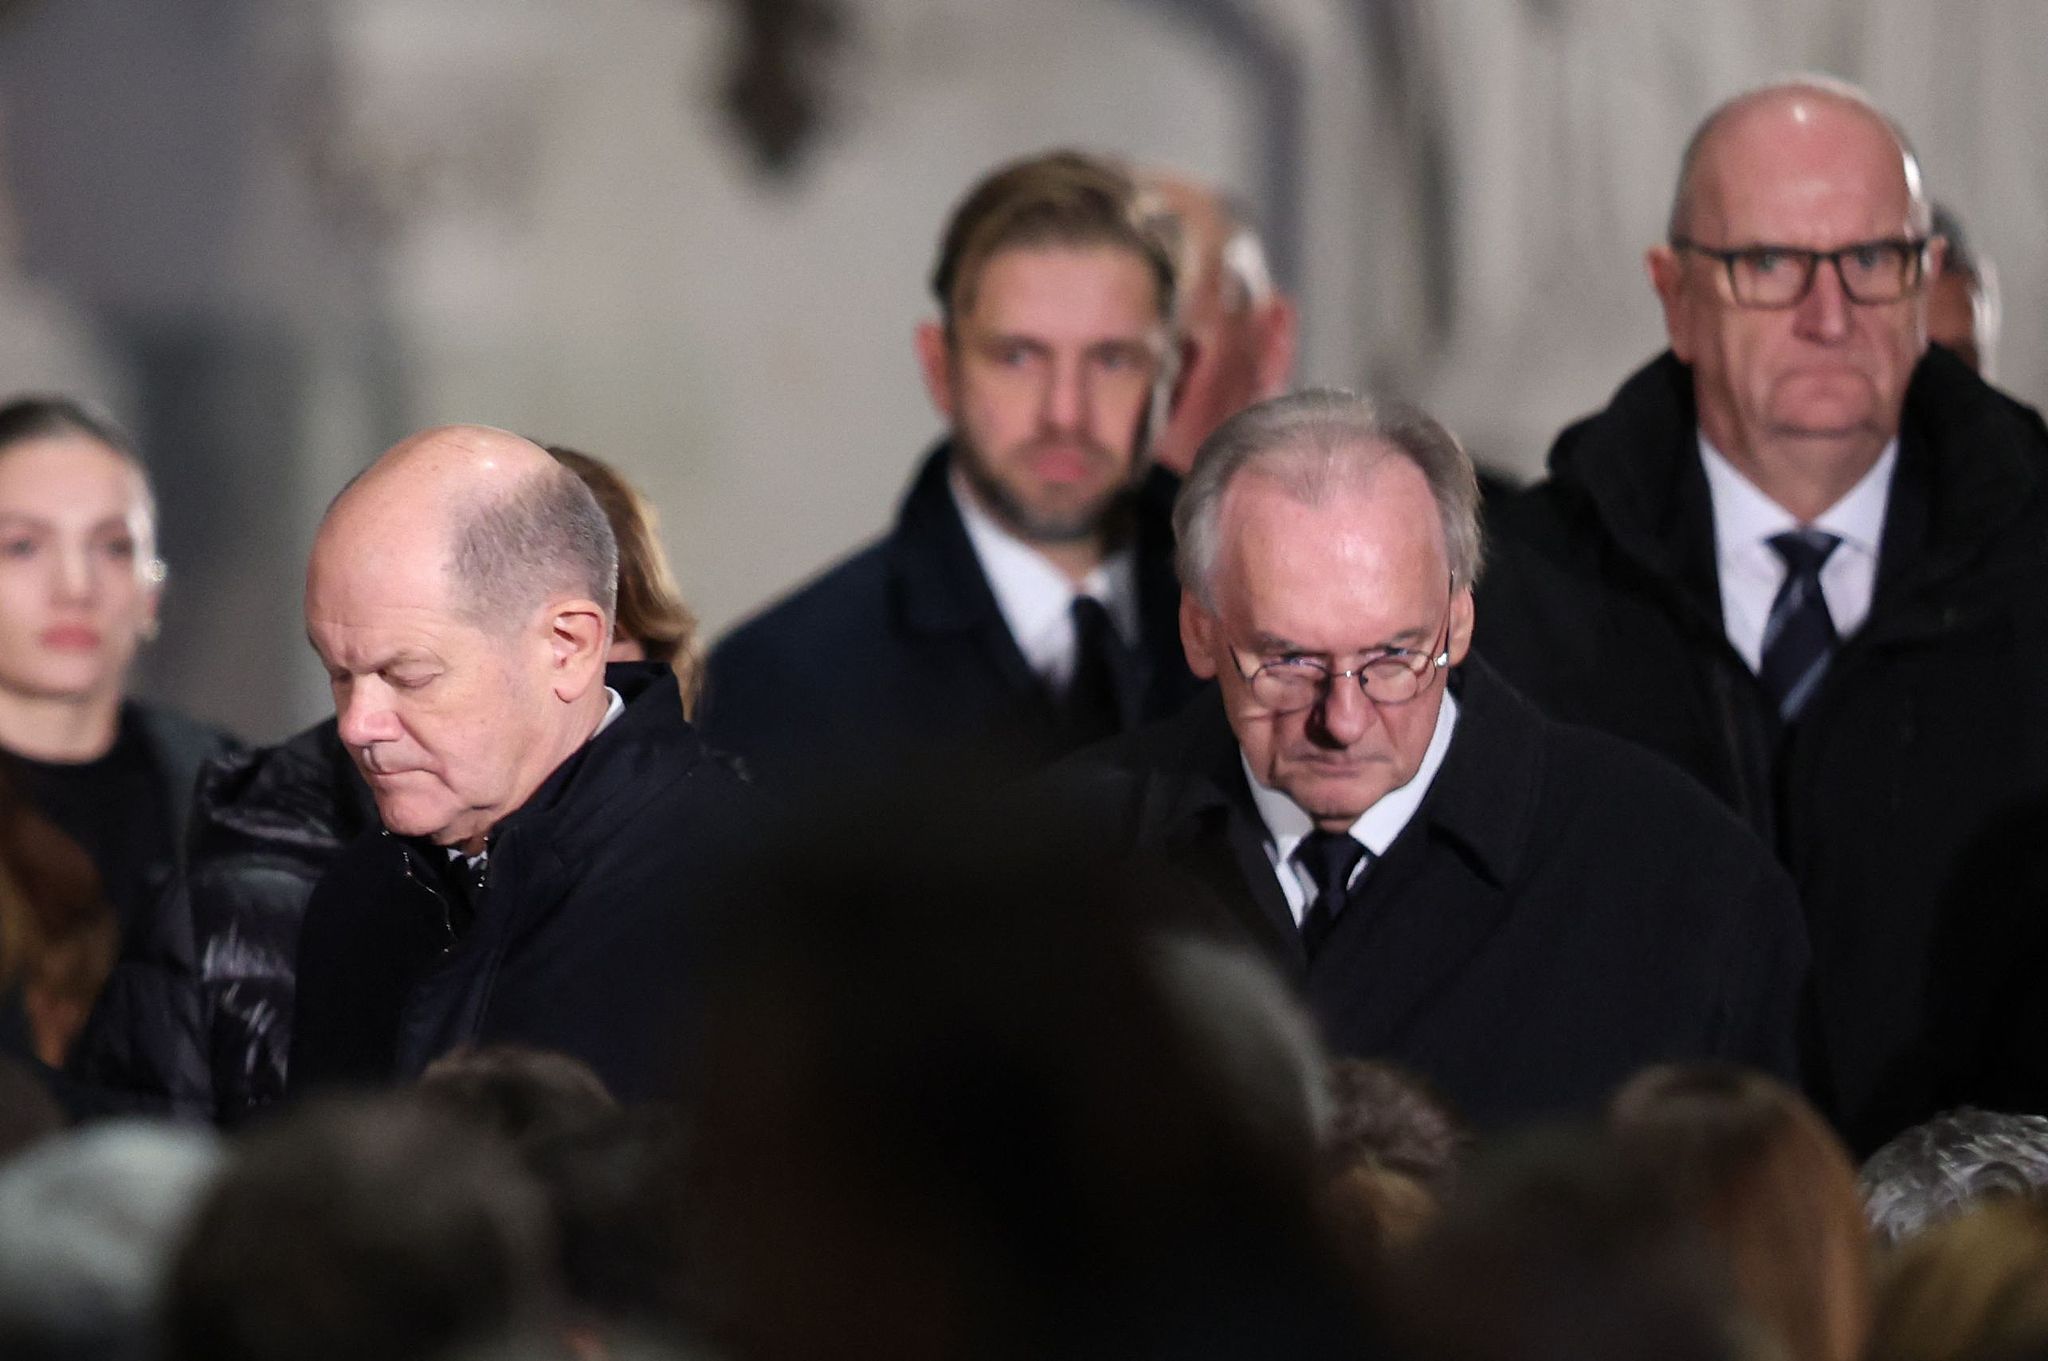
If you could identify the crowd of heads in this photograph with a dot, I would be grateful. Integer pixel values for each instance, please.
(943, 1165)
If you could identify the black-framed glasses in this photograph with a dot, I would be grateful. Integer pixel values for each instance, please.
(1781, 276)
(1393, 675)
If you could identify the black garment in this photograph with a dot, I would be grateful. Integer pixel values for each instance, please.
(142, 840)
(901, 652)
(1561, 910)
(118, 811)
(1910, 800)
(583, 936)
(127, 810)
(266, 824)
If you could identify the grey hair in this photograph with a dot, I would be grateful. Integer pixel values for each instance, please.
(1944, 1166)
(513, 550)
(89, 1223)
(1243, 274)
(1310, 439)
(1688, 162)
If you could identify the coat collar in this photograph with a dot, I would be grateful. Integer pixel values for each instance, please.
(1479, 808)
(646, 750)
(1494, 753)
(1971, 465)
(938, 586)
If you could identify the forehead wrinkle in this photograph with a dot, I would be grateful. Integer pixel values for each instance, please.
(1353, 553)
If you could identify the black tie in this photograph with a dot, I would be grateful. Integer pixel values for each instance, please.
(1799, 637)
(1329, 857)
(1095, 695)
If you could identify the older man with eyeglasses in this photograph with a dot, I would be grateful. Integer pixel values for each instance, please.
(1523, 912)
(1802, 555)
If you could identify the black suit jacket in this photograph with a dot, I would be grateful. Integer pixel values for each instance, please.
(1562, 910)
(588, 938)
(901, 652)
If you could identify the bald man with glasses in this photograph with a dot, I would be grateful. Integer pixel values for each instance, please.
(1522, 912)
(1805, 556)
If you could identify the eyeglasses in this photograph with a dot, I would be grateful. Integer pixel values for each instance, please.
(1871, 272)
(1392, 675)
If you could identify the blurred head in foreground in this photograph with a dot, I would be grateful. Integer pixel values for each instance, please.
(1973, 1289)
(1555, 1249)
(1941, 1167)
(377, 1228)
(948, 1109)
(88, 1225)
(1755, 1165)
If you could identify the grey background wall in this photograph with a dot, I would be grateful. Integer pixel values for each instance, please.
(275, 235)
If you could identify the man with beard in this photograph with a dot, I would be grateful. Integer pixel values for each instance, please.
(1024, 603)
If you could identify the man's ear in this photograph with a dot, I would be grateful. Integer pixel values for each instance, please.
(935, 362)
(152, 601)
(1198, 636)
(1937, 261)
(578, 637)
(1462, 617)
(1667, 276)
(1279, 331)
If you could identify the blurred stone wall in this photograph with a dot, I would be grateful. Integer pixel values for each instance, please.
(278, 234)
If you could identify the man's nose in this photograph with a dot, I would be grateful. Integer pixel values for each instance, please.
(1066, 397)
(1344, 716)
(363, 714)
(1823, 314)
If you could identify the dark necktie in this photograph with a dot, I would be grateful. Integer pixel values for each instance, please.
(1095, 695)
(1799, 637)
(1329, 857)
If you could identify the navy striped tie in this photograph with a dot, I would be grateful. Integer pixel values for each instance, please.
(1329, 857)
(1799, 637)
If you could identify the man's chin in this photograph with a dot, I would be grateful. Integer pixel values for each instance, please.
(1058, 520)
(404, 818)
(1335, 803)
(1829, 408)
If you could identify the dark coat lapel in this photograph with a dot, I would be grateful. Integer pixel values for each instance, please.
(1167, 683)
(1198, 809)
(1442, 890)
(938, 586)
(1638, 463)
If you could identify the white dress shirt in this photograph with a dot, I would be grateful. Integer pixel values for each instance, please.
(1287, 822)
(1035, 597)
(1750, 569)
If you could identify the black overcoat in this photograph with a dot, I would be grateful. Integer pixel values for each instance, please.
(1562, 909)
(901, 652)
(1910, 802)
(586, 937)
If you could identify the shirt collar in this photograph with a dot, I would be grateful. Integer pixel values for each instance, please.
(1287, 822)
(1034, 595)
(1744, 514)
(615, 704)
